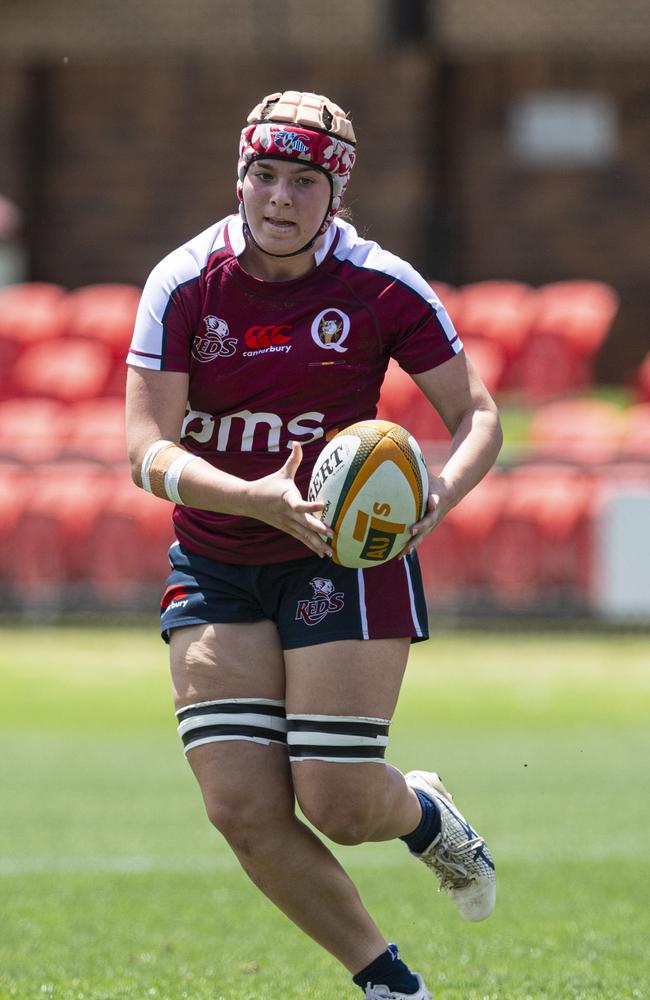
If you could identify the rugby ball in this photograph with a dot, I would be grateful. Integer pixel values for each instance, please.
(374, 483)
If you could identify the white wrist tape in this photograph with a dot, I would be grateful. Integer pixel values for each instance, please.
(160, 473)
(150, 454)
(173, 475)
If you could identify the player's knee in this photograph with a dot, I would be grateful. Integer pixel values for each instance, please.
(339, 774)
(246, 788)
(345, 826)
(347, 821)
(247, 823)
(223, 814)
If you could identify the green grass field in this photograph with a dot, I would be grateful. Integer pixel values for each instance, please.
(113, 885)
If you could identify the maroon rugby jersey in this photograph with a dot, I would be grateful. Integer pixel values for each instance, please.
(275, 362)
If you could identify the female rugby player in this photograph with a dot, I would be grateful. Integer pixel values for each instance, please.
(254, 343)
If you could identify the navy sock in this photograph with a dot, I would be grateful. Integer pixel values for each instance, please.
(427, 829)
(388, 970)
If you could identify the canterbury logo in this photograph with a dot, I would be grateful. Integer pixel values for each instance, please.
(174, 597)
(261, 337)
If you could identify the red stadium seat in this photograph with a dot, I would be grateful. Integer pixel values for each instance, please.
(443, 571)
(97, 430)
(33, 430)
(14, 490)
(473, 521)
(130, 543)
(489, 359)
(635, 445)
(402, 402)
(105, 313)
(29, 313)
(572, 321)
(583, 311)
(67, 368)
(539, 551)
(642, 380)
(501, 312)
(116, 384)
(580, 430)
(50, 550)
(453, 562)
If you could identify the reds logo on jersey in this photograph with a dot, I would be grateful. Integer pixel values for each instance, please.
(215, 342)
(326, 600)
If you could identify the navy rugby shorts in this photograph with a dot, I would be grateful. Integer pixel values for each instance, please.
(310, 600)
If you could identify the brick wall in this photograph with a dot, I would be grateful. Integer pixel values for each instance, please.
(140, 155)
(541, 224)
(210, 27)
(40, 28)
(118, 130)
(14, 124)
(588, 26)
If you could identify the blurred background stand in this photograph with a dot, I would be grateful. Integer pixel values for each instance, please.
(13, 251)
(503, 151)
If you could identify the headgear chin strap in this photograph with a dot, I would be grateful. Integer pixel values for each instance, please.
(300, 127)
(248, 232)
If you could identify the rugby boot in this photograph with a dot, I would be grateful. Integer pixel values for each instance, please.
(458, 856)
(384, 993)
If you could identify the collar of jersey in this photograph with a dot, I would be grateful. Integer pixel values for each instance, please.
(238, 241)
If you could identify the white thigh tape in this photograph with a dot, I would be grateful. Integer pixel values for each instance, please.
(341, 739)
(258, 720)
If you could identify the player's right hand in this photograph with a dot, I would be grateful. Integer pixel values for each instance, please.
(276, 500)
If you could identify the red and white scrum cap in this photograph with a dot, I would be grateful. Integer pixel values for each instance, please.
(306, 127)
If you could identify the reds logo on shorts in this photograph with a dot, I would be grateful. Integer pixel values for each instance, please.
(326, 601)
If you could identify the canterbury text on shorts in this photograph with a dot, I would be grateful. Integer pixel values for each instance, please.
(310, 600)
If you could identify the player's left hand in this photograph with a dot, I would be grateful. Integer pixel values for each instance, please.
(439, 503)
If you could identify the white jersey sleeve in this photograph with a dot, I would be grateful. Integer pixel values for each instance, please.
(169, 310)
